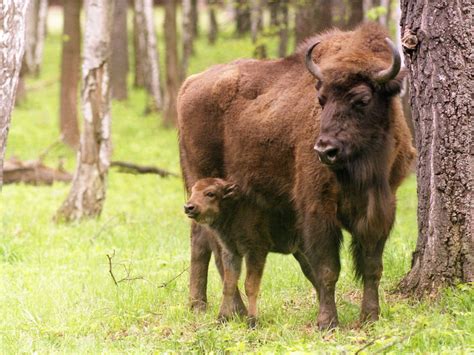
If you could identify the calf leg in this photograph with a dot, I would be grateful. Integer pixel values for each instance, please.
(369, 265)
(255, 262)
(200, 256)
(232, 267)
(238, 304)
(322, 253)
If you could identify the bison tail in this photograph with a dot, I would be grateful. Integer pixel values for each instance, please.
(358, 258)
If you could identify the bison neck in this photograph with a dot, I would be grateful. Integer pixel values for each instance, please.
(366, 204)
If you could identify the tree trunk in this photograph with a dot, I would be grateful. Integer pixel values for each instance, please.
(36, 16)
(242, 17)
(195, 18)
(213, 27)
(139, 46)
(255, 19)
(356, 13)
(187, 36)
(87, 194)
(172, 67)
(312, 17)
(119, 58)
(283, 28)
(12, 47)
(438, 42)
(70, 73)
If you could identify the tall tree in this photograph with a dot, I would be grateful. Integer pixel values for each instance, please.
(356, 13)
(283, 28)
(213, 26)
(195, 18)
(312, 17)
(187, 35)
(242, 17)
(12, 47)
(70, 73)
(36, 16)
(139, 46)
(119, 58)
(87, 194)
(438, 52)
(256, 18)
(146, 44)
(172, 64)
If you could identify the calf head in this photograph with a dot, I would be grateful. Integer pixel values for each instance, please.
(209, 198)
(355, 101)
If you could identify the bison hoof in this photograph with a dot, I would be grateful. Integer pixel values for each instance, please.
(369, 316)
(198, 306)
(327, 322)
(223, 318)
(252, 322)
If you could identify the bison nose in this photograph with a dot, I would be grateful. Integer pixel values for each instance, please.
(189, 208)
(328, 150)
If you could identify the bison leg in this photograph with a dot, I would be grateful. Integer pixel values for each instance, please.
(200, 257)
(322, 253)
(232, 267)
(255, 263)
(305, 267)
(369, 265)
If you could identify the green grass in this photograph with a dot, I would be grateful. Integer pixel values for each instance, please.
(57, 296)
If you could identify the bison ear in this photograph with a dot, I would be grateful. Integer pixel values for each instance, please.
(395, 86)
(231, 191)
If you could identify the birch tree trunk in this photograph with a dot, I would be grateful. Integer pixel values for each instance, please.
(438, 42)
(36, 17)
(70, 73)
(12, 47)
(87, 194)
(139, 43)
(119, 58)
(187, 36)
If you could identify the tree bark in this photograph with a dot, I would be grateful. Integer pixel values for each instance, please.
(139, 43)
(172, 67)
(256, 14)
(12, 47)
(242, 17)
(312, 17)
(87, 194)
(119, 58)
(36, 16)
(438, 42)
(283, 28)
(195, 18)
(70, 73)
(187, 36)
(356, 13)
(213, 26)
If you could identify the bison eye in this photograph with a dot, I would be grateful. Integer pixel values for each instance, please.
(210, 194)
(322, 100)
(361, 101)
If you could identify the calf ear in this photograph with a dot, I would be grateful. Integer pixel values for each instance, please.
(231, 191)
(394, 86)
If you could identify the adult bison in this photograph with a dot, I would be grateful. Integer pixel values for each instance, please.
(318, 139)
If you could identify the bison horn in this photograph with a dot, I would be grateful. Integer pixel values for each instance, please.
(388, 74)
(313, 68)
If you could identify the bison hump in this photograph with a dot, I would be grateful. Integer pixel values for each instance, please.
(226, 87)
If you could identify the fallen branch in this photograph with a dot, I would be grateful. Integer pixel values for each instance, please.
(131, 168)
(127, 271)
(32, 172)
(165, 284)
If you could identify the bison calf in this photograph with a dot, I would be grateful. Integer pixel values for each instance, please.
(242, 230)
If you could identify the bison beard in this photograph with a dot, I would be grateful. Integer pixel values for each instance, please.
(256, 123)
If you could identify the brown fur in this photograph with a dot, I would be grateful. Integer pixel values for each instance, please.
(256, 122)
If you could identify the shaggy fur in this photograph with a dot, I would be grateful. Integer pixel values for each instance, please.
(256, 122)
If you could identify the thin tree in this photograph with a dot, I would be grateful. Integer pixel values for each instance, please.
(187, 35)
(256, 14)
(12, 47)
(356, 13)
(36, 16)
(172, 64)
(283, 27)
(139, 45)
(195, 18)
(438, 53)
(213, 26)
(70, 73)
(242, 17)
(119, 58)
(87, 195)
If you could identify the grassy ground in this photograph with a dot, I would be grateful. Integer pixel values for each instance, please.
(56, 293)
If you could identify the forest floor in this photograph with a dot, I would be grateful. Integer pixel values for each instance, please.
(57, 293)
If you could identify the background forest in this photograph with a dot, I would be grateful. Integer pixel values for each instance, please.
(119, 283)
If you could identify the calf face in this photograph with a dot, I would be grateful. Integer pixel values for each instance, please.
(208, 198)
